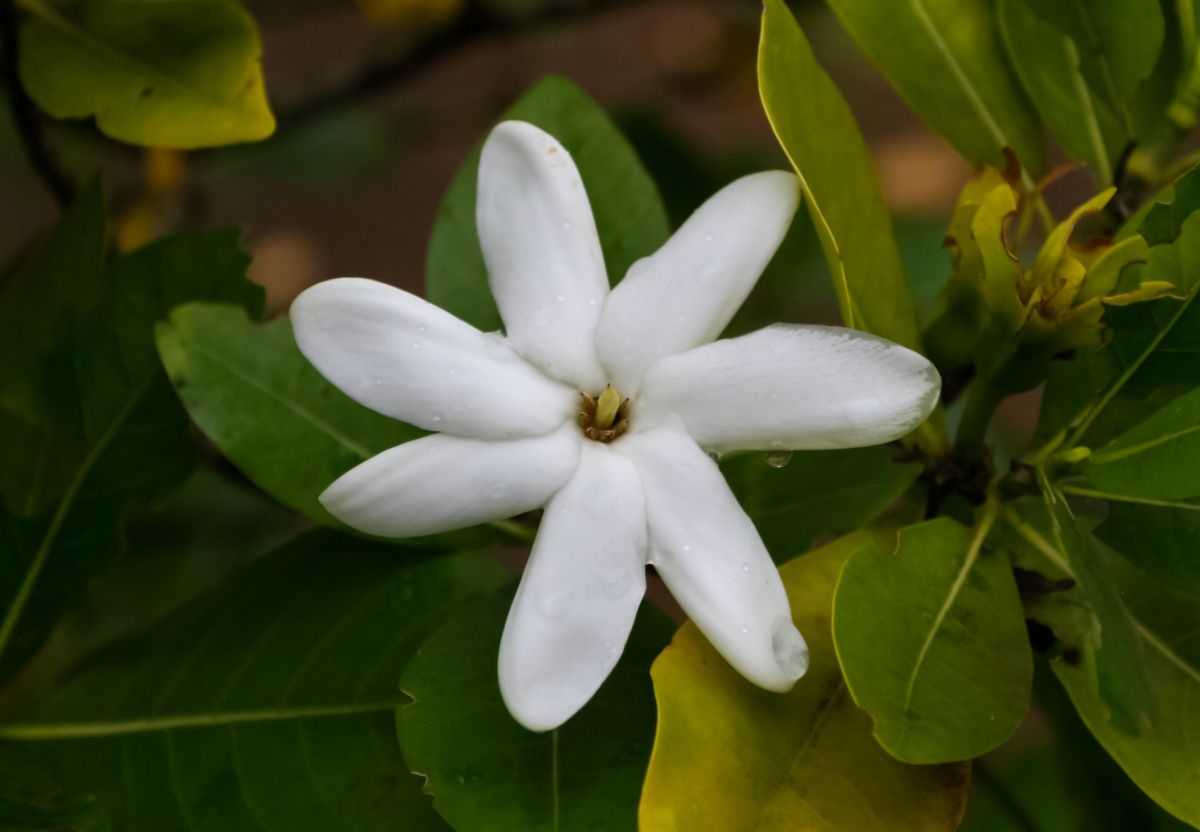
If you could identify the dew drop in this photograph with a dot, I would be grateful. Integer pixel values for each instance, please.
(745, 631)
(789, 649)
(437, 417)
(745, 567)
(567, 225)
(592, 301)
(708, 238)
(496, 491)
(778, 459)
(687, 547)
(416, 345)
(715, 456)
(560, 297)
(554, 599)
(377, 381)
(453, 371)
(422, 328)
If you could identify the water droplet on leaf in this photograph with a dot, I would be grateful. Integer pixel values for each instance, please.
(778, 459)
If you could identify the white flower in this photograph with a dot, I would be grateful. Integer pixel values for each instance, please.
(510, 437)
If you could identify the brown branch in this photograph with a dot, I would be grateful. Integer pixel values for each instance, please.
(25, 115)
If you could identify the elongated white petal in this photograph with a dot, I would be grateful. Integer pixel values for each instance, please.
(709, 554)
(406, 358)
(542, 251)
(683, 295)
(438, 483)
(578, 596)
(790, 386)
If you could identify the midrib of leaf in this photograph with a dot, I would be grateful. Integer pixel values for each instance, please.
(52, 17)
(42, 554)
(1103, 402)
(956, 70)
(802, 751)
(1096, 494)
(304, 413)
(1035, 539)
(985, 526)
(1133, 450)
(1103, 168)
(126, 727)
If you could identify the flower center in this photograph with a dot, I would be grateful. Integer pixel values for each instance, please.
(605, 417)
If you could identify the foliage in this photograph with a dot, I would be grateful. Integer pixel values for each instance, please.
(955, 584)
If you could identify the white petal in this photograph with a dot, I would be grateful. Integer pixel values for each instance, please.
(581, 588)
(790, 386)
(406, 358)
(710, 556)
(438, 483)
(685, 294)
(542, 251)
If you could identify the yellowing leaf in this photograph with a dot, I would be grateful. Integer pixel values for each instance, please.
(179, 74)
(730, 755)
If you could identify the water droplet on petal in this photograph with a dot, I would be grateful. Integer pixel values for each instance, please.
(789, 649)
(377, 381)
(554, 598)
(715, 456)
(778, 459)
(592, 301)
(416, 345)
(708, 238)
(437, 417)
(453, 371)
(687, 547)
(560, 297)
(496, 491)
(745, 631)
(567, 225)
(745, 567)
(422, 328)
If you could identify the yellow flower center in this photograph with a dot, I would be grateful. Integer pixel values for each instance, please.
(605, 417)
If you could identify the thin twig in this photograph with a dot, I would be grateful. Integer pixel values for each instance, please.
(25, 114)
(474, 25)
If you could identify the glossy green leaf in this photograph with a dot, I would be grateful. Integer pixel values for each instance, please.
(1120, 39)
(179, 74)
(486, 772)
(946, 60)
(1163, 758)
(730, 755)
(258, 399)
(932, 641)
(815, 492)
(1112, 654)
(629, 212)
(838, 179)
(98, 412)
(1156, 458)
(1049, 66)
(267, 706)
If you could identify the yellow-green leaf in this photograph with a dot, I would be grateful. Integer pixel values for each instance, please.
(730, 755)
(179, 74)
(821, 138)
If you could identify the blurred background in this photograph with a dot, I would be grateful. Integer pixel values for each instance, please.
(379, 102)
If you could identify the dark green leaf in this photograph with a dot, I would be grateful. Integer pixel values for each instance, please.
(258, 399)
(815, 492)
(268, 706)
(1159, 537)
(31, 799)
(628, 209)
(1156, 458)
(1049, 65)
(97, 412)
(932, 641)
(838, 179)
(1113, 654)
(180, 74)
(486, 772)
(1163, 759)
(945, 58)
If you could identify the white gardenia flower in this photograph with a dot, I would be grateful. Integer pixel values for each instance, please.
(629, 481)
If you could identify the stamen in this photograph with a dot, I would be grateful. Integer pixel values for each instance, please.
(606, 408)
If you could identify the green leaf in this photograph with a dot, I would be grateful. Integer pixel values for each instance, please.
(1049, 66)
(838, 179)
(97, 411)
(486, 772)
(263, 405)
(32, 800)
(629, 212)
(1158, 536)
(1120, 40)
(180, 74)
(1156, 458)
(1162, 761)
(730, 755)
(815, 492)
(932, 641)
(268, 706)
(1113, 654)
(946, 60)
